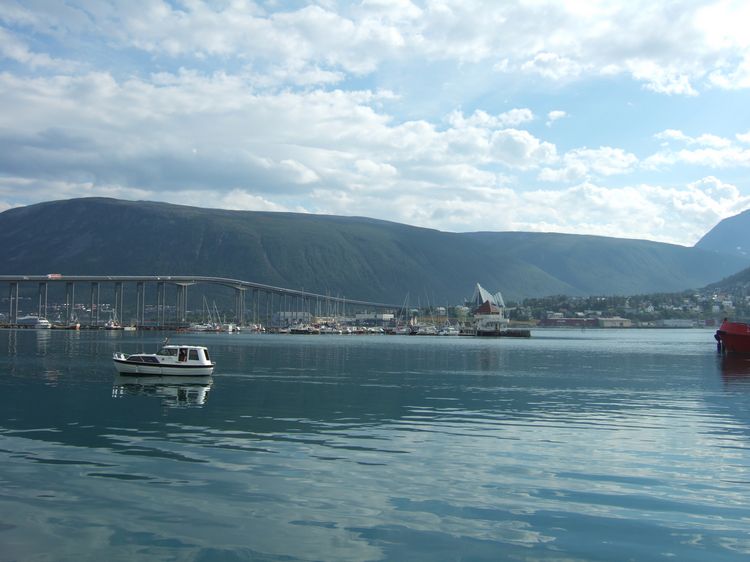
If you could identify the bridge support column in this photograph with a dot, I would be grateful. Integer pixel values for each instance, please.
(13, 303)
(42, 307)
(161, 298)
(118, 301)
(256, 303)
(181, 303)
(70, 295)
(94, 304)
(239, 305)
(140, 312)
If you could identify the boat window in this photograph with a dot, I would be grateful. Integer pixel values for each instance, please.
(149, 359)
(182, 356)
(194, 355)
(167, 351)
(205, 354)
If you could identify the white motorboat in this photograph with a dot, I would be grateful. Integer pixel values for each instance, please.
(36, 322)
(190, 360)
(203, 327)
(449, 330)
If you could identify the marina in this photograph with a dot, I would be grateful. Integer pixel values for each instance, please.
(271, 309)
(160, 302)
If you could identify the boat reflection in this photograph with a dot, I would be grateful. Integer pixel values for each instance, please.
(175, 391)
(735, 368)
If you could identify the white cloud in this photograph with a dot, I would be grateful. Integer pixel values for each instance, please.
(671, 51)
(241, 200)
(188, 132)
(673, 134)
(715, 158)
(708, 157)
(555, 115)
(582, 163)
(43, 189)
(515, 117)
(706, 139)
(311, 107)
(553, 66)
(706, 150)
(377, 170)
(735, 77)
(479, 118)
(298, 172)
(661, 78)
(680, 215)
(13, 48)
(393, 10)
(520, 149)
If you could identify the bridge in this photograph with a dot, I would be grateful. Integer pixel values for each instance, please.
(170, 296)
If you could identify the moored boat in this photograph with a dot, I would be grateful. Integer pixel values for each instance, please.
(448, 330)
(733, 337)
(36, 322)
(190, 360)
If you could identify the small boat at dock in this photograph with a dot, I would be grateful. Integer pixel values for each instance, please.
(190, 360)
(36, 322)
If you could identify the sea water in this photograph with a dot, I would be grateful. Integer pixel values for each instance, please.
(570, 445)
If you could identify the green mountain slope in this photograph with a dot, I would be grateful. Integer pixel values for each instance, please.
(731, 236)
(343, 256)
(600, 265)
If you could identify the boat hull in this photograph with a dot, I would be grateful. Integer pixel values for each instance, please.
(507, 333)
(125, 367)
(34, 322)
(734, 337)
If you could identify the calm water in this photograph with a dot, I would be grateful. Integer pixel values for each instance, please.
(573, 445)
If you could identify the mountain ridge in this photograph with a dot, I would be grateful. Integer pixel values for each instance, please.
(730, 236)
(357, 257)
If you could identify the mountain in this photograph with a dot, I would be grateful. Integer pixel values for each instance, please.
(730, 236)
(352, 257)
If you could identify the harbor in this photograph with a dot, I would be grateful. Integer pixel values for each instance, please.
(162, 303)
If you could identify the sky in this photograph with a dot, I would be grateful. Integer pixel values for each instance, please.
(626, 118)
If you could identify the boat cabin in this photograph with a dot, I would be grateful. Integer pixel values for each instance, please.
(185, 353)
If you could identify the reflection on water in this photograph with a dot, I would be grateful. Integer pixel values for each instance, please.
(735, 369)
(606, 445)
(175, 391)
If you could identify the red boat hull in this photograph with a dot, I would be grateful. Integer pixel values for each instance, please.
(734, 337)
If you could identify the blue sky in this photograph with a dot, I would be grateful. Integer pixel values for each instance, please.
(624, 119)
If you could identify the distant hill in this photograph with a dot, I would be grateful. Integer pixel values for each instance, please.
(343, 256)
(730, 236)
(739, 282)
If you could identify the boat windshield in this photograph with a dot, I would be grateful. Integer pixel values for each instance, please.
(167, 351)
(143, 359)
(205, 353)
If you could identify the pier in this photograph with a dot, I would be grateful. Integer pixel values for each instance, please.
(161, 301)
